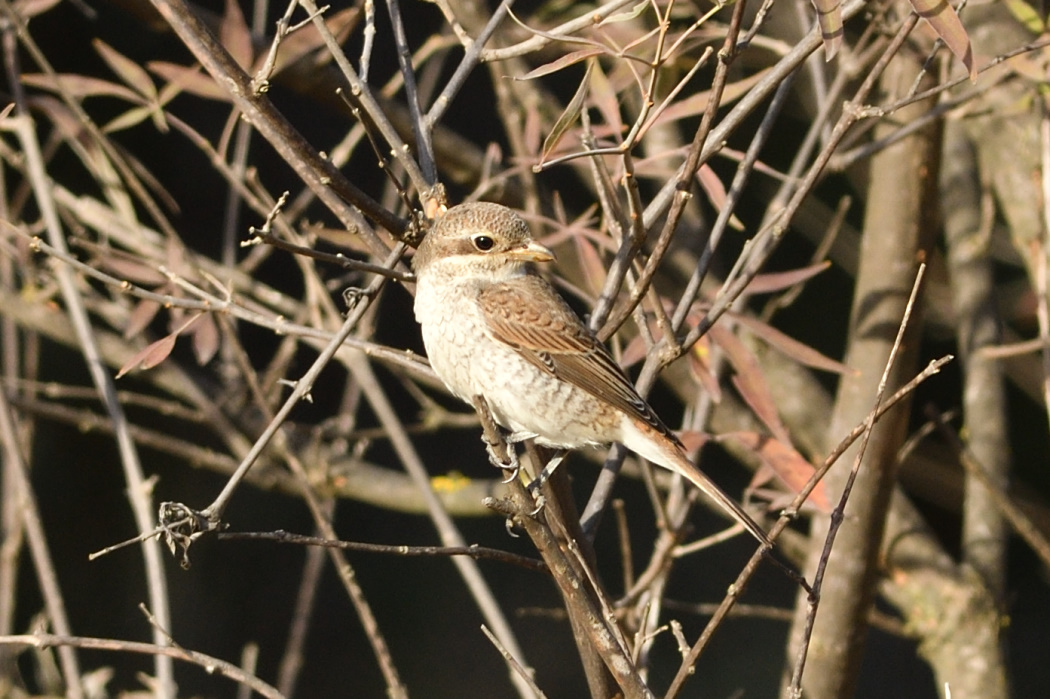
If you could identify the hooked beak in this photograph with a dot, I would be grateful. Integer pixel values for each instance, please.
(533, 252)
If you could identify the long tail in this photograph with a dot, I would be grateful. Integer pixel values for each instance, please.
(697, 477)
(652, 440)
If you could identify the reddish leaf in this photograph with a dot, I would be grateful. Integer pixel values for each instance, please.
(591, 263)
(128, 70)
(532, 131)
(697, 104)
(604, 96)
(801, 353)
(693, 441)
(152, 355)
(563, 62)
(750, 381)
(235, 35)
(701, 369)
(787, 464)
(81, 86)
(205, 339)
(716, 192)
(778, 281)
(634, 352)
(141, 316)
(128, 268)
(190, 79)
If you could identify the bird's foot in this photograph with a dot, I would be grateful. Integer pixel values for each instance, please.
(547, 472)
(537, 482)
(511, 465)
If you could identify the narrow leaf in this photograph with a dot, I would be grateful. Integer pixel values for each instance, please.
(192, 80)
(696, 104)
(716, 192)
(700, 367)
(790, 347)
(829, 19)
(749, 381)
(633, 13)
(205, 339)
(590, 263)
(153, 354)
(141, 315)
(568, 117)
(563, 62)
(786, 463)
(127, 267)
(129, 71)
(81, 86)
(778, 281)
(941, 16)
(604, 97)
(132, 117)
(235, 35)
(693, 441)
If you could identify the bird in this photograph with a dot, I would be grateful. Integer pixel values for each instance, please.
(493, 327)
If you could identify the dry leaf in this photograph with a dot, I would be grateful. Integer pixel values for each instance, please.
(128, 70)
(941, 16)
(750, 381)
(785, 463)
(205, 339)
(568, 117)
(152, 355)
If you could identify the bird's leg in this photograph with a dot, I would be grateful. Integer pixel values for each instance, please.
(548, 471)
(500, 449)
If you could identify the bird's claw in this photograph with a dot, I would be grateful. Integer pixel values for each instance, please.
(541, 502)
(533, 489)
(511, 465)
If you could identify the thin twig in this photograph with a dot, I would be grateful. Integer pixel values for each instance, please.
(473, 551)
(795, 688)
(523, 673)
(208, 663)
(327, 183)
(138, 489)
(1013, 514)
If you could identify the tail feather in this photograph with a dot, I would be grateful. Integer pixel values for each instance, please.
(664, 450)
(697, 477)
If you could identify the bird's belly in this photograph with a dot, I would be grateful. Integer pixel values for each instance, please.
(522, 397)
(559, 414)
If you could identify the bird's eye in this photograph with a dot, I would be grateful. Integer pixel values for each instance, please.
(483, 242)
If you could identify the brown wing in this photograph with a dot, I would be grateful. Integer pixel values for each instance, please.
(529, 315)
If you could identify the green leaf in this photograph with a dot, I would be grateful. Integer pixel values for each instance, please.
(568, 117)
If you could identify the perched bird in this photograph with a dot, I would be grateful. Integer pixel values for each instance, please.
(493, 327)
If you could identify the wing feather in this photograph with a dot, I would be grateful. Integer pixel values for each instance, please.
(527, 314)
